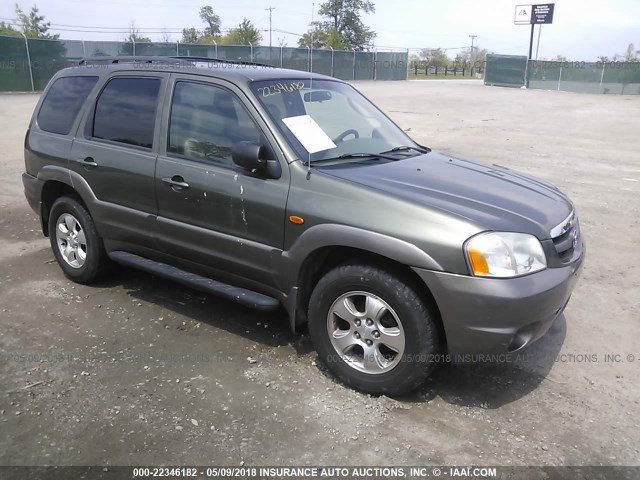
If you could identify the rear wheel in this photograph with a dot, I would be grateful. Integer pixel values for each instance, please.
(372, 329)
(75, 241)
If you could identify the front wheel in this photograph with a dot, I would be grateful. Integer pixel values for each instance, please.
(372, 329)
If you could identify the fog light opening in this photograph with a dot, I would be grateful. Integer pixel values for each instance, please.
(522, 337)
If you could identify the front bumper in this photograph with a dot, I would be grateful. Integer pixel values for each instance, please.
(492, 316)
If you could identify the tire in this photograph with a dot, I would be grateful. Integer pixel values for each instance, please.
(396, 327)
(75, 241)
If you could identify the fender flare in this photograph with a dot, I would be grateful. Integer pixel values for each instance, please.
(335, 235)
(70, 178)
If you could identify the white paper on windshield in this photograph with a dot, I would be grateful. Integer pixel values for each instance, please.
(309, 133)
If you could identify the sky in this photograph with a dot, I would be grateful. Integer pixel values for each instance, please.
(581, 29)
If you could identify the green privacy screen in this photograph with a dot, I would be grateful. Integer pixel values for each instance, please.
(621, 78)
(49, 56)
(505, 70)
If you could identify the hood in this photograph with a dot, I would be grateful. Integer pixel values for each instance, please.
(491, 196)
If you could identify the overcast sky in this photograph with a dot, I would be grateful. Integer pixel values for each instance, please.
(581, 30)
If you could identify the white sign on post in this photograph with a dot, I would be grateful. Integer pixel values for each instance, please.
(523, 14)
(309, 133)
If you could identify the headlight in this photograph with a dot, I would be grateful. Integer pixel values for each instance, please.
(503, 254)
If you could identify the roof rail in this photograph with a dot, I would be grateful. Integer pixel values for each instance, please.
(126, 59)
(162, 59)
(219, 60)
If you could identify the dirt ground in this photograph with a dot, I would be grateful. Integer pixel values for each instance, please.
(139, 371)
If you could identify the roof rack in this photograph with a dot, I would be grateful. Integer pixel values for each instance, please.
(162, 60)
(125, 59)
(219, 60)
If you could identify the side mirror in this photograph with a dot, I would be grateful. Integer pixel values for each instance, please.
(256, 159)
(247, 155)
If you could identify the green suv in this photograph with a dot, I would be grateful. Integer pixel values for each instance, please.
(276, 188)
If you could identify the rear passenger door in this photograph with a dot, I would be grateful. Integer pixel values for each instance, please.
(115, 152)
(210, 211)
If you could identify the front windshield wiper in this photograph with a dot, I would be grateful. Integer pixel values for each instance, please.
(347, 156)
(404, 148)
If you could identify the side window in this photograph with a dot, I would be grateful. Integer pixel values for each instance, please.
(206, 121)
(63, 102)
(126, 111)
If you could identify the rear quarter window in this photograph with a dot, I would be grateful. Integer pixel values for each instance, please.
(62, 103)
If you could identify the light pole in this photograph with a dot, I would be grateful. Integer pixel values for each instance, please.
(271, 9)
(472, 37)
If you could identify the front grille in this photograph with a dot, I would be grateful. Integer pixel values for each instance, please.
(567, 237)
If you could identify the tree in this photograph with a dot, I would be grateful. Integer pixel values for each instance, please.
(211, 19)
(631, 54)
(319, 36)
(165, 36)
(342, 27)
(434, 57)
(33, 24)
(471, 59)
(190, 35)
(603, 59)
(7, 30)
(560, 58)
(134, 35)
(244, 34)
(46, 57)
(134, 42)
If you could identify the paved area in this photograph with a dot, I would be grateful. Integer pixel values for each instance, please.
(137, 370)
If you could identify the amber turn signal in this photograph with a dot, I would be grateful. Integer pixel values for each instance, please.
(478, 262)
(297, 220)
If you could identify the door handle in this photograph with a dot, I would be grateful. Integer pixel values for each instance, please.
(89, 162)
(176, 182)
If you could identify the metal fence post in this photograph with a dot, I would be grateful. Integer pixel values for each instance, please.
(308, 59)
(331, 61)
(216, 48)
(560, 76)
(84, 50)
(602, 76)
(26, 44)
(281, 55)
(251, 52)
(354, 63)
(407, 78)
(133, 40)
(177, 48)
(375, 56)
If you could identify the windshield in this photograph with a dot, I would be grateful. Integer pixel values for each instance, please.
(349, 124)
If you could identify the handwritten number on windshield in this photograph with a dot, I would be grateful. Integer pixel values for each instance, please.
(279, 88)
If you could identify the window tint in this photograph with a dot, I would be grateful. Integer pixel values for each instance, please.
(126, 111)
(63, 102)
(206, 121)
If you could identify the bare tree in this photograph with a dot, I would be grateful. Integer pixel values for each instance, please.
(165, 36)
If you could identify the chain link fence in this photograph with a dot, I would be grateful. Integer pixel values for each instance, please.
(27, 64)
(582, 77)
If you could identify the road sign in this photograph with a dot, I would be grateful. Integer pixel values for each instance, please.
(523, 14)
(542, 13)
(533, 14)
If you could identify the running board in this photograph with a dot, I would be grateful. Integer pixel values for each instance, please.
(245, 297)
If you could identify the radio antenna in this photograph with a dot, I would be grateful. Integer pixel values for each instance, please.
(313, 8)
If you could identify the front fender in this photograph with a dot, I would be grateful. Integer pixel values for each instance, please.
(334, 235)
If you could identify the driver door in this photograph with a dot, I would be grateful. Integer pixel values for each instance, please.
(212, 212)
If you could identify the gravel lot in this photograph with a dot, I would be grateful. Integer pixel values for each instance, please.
(137, 370)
